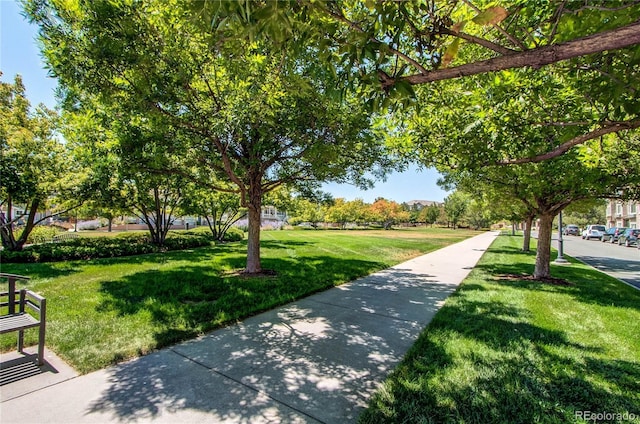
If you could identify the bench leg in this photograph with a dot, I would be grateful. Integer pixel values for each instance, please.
(20, 340)
(41, 334)
(41, 344)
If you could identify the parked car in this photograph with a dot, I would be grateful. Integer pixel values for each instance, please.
(612, 234)
(571, 230)
(593, 231)
(629, 237)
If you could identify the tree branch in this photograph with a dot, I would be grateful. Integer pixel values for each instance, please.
(556, 17)
(340, 17)
(618, 38)
(479, 41)
(561, 124)
(563, 148)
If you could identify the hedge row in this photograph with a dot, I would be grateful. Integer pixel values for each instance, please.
(110, 247)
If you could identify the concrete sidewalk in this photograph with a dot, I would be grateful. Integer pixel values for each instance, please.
(317, 360)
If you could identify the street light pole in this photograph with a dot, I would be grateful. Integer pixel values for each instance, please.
(560, 259)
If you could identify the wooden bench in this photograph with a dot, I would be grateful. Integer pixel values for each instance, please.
(20, 319)
(63, 237)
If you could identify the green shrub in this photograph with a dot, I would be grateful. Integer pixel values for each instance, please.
(42, 234)
(23, 256)
(187, 240)
(244, 228)
(105, 247)
(234, 234)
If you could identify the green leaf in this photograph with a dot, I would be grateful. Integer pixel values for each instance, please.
(404, 88)
(451, 52)
(491, 16)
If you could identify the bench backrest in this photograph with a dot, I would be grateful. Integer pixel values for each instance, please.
(11, 293)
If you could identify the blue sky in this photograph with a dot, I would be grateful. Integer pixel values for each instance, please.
(19, 54)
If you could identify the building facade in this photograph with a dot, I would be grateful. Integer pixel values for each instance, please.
(623, 214)
(271, 218)
(416, 205)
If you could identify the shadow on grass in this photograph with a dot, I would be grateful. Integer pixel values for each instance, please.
(67, 268)
(499, 368)
(313, 355)
(589, 285)
(484, 360)
(40, 270)
(285, 244)
(193, 299)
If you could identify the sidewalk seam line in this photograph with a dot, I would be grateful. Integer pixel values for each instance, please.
(253, 389)
(42, 388)
(370, 313)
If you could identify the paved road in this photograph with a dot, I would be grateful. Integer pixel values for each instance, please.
(618, 261)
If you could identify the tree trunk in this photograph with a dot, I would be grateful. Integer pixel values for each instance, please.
(543, 253)
(29, 225)
(110, 224)
(526, 244)
(253, 242)
(8, 237)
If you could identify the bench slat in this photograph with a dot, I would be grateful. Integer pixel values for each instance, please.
(17, 322)
(21, 320)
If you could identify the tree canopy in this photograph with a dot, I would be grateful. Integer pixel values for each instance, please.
(395, 45)
(35, 171)
(237, 108)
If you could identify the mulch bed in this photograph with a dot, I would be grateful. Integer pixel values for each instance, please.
(527, 277)
(242, 273)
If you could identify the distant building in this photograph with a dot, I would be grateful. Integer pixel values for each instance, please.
(270, 217)
(417, 205)
(623, 214)
(19, 213)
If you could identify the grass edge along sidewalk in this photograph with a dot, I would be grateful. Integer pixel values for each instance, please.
(105, 311)
(508, 349)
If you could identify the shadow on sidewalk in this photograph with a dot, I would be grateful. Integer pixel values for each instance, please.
(20, 373)
(20, 368)
(319, 358)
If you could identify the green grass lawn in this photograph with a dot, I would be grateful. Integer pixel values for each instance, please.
(509, 350)
(108, 310)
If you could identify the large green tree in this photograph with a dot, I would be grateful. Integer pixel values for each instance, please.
(220, 210)
(255, 114)
(545, 188)
(455, 207)
(36, 172)
(569, 118)
(121, 177)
